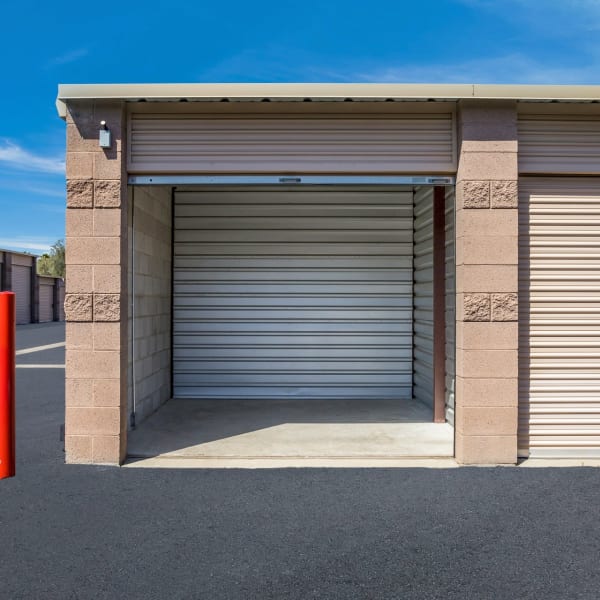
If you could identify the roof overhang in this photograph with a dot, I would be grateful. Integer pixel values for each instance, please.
(324, 92)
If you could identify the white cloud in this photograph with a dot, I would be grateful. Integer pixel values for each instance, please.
(68, 57)
(34, 245)
(508, 68)
(14, 156)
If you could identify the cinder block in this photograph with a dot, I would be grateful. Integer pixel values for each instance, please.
(79, 336)
(489, 145)
(106, 450)
(487, 250)
(488, 420)
(78, 392)
(505, 307)
(78, 307)
(107, 392)
(90, 364)
(107, 194)
(79, 222)
(487, 279)
(78, 449)
(109, 166)
(81, 112)
(486, 450)
(107, 307)
(473, 194)
(474, 166)
(93, 251)
(505, 194)
(487, 363)
(487, 392)
(487, 223)
(80, 165)
(487, 336)
(78, 279)
(82, 138)
(107, 279)
(107, 336)
(107, 222)
(475, 307)
(92, 421)
(80, 193)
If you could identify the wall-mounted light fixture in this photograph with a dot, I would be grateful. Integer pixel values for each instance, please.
(104, 138)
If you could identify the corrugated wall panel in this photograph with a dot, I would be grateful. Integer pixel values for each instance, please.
(450, 306)
(423, 296)
(21, 285)
(559, 317)
(196, 144)
(46, 304)
(293, 294)
(559, 144)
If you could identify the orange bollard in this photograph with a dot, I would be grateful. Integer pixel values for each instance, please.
(7, 384)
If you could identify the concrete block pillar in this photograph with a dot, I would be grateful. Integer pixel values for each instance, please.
(96, 286)
(487, 283)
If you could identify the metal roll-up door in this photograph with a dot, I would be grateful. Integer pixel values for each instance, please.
(21, 285)
(423, 296)
(450, 284)
(559, 317)
(46, 301)
(559, 144)
(412, 143)
(303, 293)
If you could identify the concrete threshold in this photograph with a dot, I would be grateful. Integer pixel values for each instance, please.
(171, 462)
(291, 433)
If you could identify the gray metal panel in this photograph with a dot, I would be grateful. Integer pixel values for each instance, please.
(21, 285)
(46, 301)
(423, 296)
(293, 293)
(450, 306)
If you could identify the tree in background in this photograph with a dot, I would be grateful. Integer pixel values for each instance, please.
(53, 263)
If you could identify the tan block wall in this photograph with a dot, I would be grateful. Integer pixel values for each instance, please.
(487, 284)
(150, 233)
(96, 287)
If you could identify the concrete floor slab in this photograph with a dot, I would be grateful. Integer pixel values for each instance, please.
(242, 433)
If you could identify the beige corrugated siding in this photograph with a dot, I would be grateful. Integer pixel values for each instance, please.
(559, 144)
(411, 143)
(559, 337)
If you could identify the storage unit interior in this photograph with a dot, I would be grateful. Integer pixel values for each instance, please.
(287, 320)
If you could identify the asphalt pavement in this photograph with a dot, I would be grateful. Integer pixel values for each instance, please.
(70, 531)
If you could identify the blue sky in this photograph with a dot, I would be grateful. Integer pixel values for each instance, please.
(446, 41)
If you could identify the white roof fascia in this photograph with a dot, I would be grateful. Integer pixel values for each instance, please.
(247, 92)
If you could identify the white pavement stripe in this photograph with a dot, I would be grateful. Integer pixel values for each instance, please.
(39, 348)
(40, 366)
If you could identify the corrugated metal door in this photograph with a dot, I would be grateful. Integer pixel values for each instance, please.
(559, 291)
(423, 296)
(450, 306)
(293, 294)
(413, 143)
(21, 285)
(46, 301)
(559, 144)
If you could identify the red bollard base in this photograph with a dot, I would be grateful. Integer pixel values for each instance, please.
(7, 384)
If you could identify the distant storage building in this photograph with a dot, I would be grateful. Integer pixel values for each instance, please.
(38, 299)
(427, 245)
